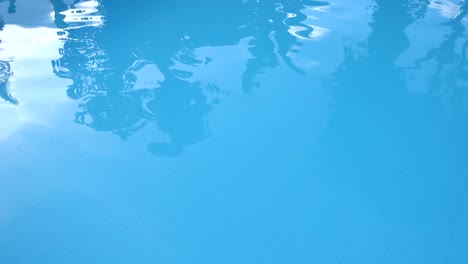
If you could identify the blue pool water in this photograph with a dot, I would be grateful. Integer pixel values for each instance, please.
(235, 131)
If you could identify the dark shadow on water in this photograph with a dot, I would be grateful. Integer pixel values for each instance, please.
(144, 40)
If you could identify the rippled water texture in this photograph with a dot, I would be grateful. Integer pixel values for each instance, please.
(234, 131)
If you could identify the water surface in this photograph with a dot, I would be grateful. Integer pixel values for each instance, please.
(236, 131)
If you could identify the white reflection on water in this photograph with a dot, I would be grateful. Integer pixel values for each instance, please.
(446, 8)
(85, 13)
(40, 94)
(30, 41)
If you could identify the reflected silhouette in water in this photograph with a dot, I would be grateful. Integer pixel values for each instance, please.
(372, 106)
(125, 79)
(5, 67)
(11, 6)
(5, 74)
(450, 76)
(59, 7)
(388, 142)
(270, 24)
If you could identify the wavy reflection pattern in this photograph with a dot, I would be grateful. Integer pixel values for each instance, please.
(5, 66)
(124, 72)
(450, 74)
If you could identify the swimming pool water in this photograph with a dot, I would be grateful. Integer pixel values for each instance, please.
(235, 131)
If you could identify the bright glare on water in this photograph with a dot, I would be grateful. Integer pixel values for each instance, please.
(233, 131)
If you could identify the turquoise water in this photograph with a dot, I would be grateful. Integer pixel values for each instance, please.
(233, 131)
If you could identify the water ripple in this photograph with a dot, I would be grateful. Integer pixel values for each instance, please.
(5, 74)
(121, 85)
(81, 14)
